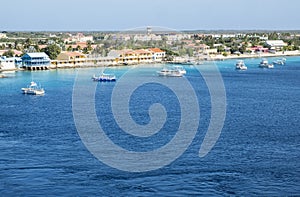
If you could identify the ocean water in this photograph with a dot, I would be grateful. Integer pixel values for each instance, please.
(257, 153)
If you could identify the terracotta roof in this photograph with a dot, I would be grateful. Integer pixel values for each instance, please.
(141, 51)
(156, 50)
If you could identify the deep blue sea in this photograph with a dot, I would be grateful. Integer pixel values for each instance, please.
(257, 153)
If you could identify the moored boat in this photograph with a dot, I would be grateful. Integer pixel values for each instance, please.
(240, 65)
(166, 72)
(265, 64)
(280, 61)
(180, 69)
(34, 89)
(104, 77)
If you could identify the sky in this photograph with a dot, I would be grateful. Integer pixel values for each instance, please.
(118, 15)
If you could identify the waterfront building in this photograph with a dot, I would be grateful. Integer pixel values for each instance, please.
(128, 56)
(7, 63)
(276, 44)
(70, 59)
(158, 54)
(35, 61)
(144, 56)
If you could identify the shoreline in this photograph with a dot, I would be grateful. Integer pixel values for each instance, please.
(261, 55)
(209, 58)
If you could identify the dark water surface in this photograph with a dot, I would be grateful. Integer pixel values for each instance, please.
(258, 152)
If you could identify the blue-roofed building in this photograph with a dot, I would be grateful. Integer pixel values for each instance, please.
(35, 61)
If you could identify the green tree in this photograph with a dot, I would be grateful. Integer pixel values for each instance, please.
(69, 48)
(52, 51)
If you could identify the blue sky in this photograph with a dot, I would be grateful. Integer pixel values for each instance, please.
(89, 15)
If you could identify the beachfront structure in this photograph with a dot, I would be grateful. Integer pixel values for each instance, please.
(128, 56)
(35, 61)
(158, 55)
(7, 63)
(69, 59)
(276, 44)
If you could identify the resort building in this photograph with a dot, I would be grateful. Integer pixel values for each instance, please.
(129, 56)
(126, 56)
(69, 59)
(35, 61)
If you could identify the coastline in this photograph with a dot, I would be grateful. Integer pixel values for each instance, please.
(208, 58)
(261, 55)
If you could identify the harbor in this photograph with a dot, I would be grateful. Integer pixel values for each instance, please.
(42, 128)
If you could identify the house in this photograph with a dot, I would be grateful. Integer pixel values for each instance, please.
(35, 61)
(70, 59)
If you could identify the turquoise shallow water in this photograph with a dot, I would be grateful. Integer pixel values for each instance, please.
(256, 154)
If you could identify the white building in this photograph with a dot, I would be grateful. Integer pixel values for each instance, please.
(79, 38)
(7, 63)
(157, 54)
(276, 44)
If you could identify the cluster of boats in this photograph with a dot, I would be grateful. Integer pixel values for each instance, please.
(240, 65)
(172, 71)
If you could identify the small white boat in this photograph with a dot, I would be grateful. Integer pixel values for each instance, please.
(104, 77)
(280, 61)
(166, 72)
(180, 69)
(240, 65)
(34, 89)
(265, 64)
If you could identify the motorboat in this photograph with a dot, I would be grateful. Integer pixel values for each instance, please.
(180, 69)
(104, 77)
(265, 64)
(34, 89)
(166, 72)
(280, 61)
(240, 65)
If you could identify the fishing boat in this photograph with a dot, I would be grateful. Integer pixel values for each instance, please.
(34, 89)
(104, 77)
(265, 64)
(240, 65)
(280, 61)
